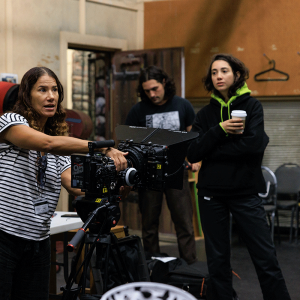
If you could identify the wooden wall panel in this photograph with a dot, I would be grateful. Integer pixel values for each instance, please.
(246, 29)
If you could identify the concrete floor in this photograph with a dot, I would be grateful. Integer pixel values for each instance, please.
(248, 286)
(168, 244)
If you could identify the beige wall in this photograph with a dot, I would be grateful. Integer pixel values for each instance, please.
(39, 32)
(30, 29)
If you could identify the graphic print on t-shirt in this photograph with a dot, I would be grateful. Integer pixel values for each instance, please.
(168, 120)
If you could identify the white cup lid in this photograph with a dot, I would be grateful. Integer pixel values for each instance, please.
(238, 113)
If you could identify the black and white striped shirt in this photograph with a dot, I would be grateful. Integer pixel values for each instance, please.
(19, 188)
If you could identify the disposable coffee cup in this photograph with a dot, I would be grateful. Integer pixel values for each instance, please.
(239, 114)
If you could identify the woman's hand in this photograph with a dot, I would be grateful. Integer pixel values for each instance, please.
(118, 157)
(232, 125)
(195, 167)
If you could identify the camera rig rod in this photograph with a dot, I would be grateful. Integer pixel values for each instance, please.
(150, 135)
(81, 231)
(100, 144)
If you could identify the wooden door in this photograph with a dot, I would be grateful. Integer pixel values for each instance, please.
(126, 68)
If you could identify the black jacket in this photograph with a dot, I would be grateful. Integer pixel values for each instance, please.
(231, 164)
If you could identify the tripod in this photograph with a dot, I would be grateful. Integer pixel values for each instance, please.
(104, 249)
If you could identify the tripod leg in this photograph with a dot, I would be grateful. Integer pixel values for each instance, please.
(68, 293)
(111, 243)
(98, 282)
(100, 261)
(85, 268)
(106, 262)
(106, 244)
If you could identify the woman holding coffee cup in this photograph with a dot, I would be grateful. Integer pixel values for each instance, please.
(231, 145)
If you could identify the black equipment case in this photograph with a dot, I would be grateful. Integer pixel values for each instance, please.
(192, 278)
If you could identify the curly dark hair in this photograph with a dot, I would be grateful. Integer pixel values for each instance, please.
(237, 67)
(160, 76)
(55, 125)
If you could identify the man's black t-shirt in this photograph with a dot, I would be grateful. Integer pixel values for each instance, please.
(175, 114)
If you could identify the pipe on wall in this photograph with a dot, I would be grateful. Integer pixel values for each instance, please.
(82, 16)
(8, 37)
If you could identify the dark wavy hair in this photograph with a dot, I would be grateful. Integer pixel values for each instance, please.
(237, 67)
(160, 76)
(55, 125)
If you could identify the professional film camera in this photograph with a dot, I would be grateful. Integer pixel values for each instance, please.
(155, 161)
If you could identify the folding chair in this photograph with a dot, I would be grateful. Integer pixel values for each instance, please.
(288, 188)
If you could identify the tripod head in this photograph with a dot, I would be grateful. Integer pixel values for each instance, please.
(101, 219)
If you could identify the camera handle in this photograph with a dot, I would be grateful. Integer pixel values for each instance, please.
(81, 231)
(100, 144)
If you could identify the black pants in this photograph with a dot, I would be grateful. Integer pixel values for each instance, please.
(24, 268)
(250, 217)
(181, 208)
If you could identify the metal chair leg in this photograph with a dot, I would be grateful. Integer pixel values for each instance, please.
(230, 226)
(272, 225)
(278, 227)
(292, 223)
(297, 223)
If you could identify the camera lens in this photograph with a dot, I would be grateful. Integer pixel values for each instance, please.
(132, 176)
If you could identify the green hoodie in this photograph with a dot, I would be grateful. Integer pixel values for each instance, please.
(241, 91)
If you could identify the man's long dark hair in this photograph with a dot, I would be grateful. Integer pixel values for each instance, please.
(160, 76)
(237, 67)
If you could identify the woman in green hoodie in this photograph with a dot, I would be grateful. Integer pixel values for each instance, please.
(230, 178)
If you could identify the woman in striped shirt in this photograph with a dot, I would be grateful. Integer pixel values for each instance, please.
(34, 163)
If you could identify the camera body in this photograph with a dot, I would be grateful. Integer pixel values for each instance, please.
(97, 175)
(155, 161)
(148, 169)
